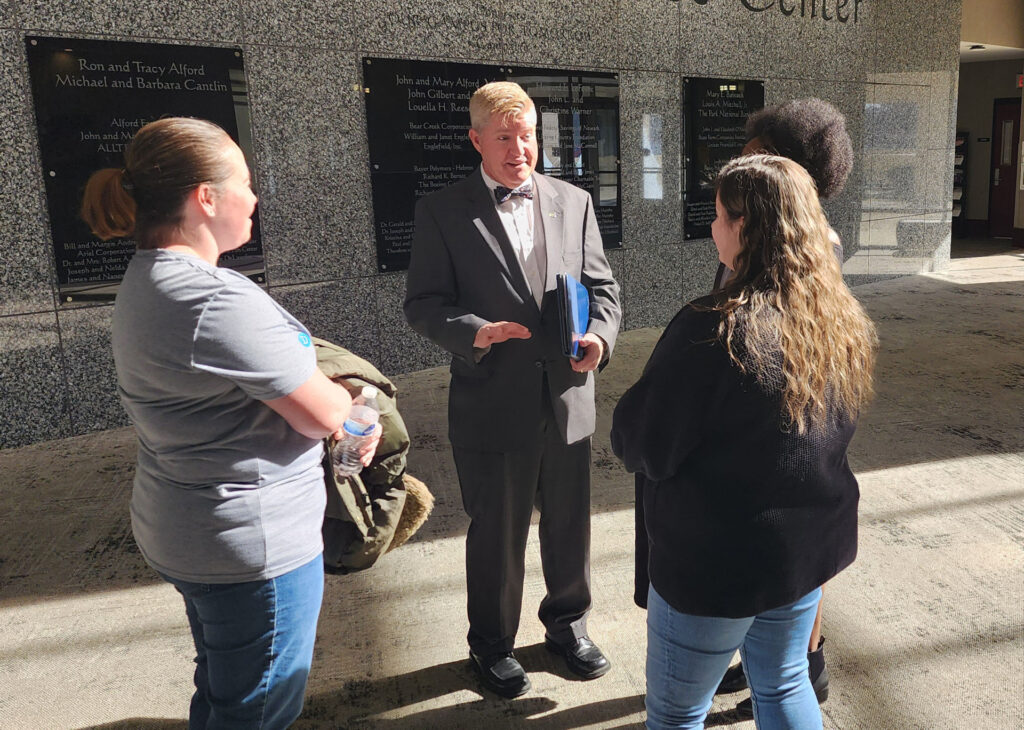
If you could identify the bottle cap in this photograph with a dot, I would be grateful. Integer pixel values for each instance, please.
(369, 392)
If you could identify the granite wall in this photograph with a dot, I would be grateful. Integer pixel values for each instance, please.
(893, 72)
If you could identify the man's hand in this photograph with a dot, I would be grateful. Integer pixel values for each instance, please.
(495, 332)
(593, 351)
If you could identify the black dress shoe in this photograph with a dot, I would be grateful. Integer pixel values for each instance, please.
(733, 681)
(582, 657)
(502, 674)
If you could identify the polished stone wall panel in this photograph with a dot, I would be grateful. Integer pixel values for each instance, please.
(563, 33)
(651, 201)
(849, 99)
(312, 171)
(900, 115)
(893, 184)
(402, 350)
(853, 52)
(309, 130)
(195, 20)
(653, 278)
(847, 227)
(944, 36)
(916, 36)
(617, 259)
(722, 39)
(905, 245)
(648, 35)
(936, 183)
(93, 403)
(944, 89)
(307, 23)
(33, 406)
(26, 278)
(455, 29)
(341, 312)
(802, 47)
(900, 38)
(900, 178)
(698, 264)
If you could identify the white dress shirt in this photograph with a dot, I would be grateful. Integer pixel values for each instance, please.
(519, 216)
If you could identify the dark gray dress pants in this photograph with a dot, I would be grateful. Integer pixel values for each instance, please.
(499, 492)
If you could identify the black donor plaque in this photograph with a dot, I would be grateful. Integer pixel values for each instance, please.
(418, 125)
(714, 132)
(91, 97)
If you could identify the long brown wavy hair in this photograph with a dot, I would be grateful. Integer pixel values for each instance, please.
(786, 315)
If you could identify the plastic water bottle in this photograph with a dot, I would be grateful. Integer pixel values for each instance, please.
(361, 422)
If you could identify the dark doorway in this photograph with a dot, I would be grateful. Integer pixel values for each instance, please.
(1002, 188)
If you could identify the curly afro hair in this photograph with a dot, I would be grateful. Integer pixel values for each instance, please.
(811, 132)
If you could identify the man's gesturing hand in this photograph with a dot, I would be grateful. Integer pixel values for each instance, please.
(495, 332)
(592, 353)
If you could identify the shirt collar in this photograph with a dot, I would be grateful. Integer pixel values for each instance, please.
(491, 183)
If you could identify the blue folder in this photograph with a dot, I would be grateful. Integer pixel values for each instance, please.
(573, 314)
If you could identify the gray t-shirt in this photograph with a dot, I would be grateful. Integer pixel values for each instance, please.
(225, 490)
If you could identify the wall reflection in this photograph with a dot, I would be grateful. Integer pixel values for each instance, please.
(652, 170)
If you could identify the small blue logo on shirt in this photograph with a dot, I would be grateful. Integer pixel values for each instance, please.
(305, 340)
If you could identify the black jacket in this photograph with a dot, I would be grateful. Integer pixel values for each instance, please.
(464, 273)
(735, 515)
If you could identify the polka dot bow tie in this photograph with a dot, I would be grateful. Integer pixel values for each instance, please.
(502, 194)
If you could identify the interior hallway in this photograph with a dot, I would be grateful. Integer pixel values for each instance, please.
(925, 630)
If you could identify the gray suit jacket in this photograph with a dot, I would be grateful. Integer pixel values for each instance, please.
(460, 279)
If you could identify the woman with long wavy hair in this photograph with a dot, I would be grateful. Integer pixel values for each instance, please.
(813, 133)
(738, 431)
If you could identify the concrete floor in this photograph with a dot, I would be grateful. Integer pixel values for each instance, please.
(925, 630)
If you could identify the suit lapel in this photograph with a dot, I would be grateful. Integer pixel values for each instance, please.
(481, 204)
(553, 218)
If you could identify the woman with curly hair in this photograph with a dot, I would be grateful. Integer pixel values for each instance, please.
(812, 133)
(738, 431)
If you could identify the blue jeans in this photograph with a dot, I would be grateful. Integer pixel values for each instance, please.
(687, 656)
(254, 647)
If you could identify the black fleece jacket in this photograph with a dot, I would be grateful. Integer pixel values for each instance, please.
(735, 514)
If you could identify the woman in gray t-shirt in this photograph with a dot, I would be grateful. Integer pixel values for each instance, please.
(221, 385)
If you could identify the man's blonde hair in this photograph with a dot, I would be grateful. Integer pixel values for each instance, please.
(504, 98)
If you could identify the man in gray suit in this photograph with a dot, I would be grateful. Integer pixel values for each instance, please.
(481, 284)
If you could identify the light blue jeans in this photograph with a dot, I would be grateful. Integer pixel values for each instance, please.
(688, 655)
(254, 647)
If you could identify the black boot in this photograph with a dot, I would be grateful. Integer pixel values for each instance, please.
(733, 681)
(816, 670)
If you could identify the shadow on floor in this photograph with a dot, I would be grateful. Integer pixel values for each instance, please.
(949, 385)
(140, 723)
(965, 248)
(358, 704)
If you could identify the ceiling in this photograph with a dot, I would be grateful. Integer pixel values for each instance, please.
(988, 53)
